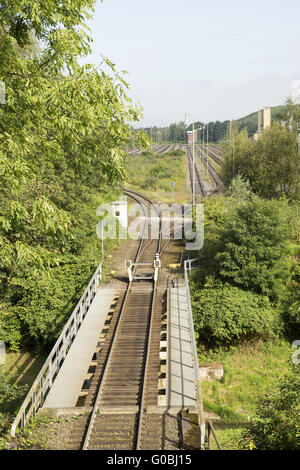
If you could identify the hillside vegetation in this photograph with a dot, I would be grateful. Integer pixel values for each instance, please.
(245, 292)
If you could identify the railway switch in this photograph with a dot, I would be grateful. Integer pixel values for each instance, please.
(157, 265)
(128, 266)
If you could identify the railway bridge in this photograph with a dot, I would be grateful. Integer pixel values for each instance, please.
(126, 361)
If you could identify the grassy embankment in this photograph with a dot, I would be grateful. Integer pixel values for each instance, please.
(251, 366)
(152, 173)
(250, 370)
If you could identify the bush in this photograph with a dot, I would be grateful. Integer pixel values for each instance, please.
(239, 189)
(271, 164)
(253, 255)
(48, 299)
(10, 326)
(176, 153)
(150, 182)
(226, 315)
(10, 394)
(277, 425)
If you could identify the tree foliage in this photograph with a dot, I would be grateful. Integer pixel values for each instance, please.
(276, 425)
(10, 394)
(236, 152)
(271, 164)
(254, 247)
(225, 315)
(250, 253)
(63, 131)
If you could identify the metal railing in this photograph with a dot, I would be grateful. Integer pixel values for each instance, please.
(43, 382)
(201, 420)
(188, 266)
(212, 433)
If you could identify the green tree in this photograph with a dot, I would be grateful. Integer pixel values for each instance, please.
(254, 242)
(62, 123)
(271, 164)
(237, 152)
(274, 166)
(63, 131)
(239, 189)
(225, 315)
(290, 115)
(10, 394)
(276, 425)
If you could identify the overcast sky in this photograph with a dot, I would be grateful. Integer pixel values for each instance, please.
(201, 57)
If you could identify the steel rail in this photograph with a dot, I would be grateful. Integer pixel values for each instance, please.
(203, 192)
(211, 169)
(129, 192)
(145, 365)
(160, 249)
(96, 404)
(144, 370)
(215, 157)
(89, 431)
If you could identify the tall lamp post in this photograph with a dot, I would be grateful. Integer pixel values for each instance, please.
(199, 129)
(193, 170)
(203, 143)
(231, 148)
(204, 152)
(193, 164)
(207, 128)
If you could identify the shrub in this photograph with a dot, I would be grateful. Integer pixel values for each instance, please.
(10, 394)
(239, 189)
(176, 153)
(276, 425)
(225, 315)
(150, 182)
(46, 301)
(253, 254)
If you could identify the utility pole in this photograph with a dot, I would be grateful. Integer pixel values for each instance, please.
(134, 147)
(231, 148)
(204, 152)
(207, 139)
(193, 171)
(172, 187)
(193, 164)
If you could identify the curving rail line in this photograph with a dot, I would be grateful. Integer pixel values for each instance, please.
(116, 420)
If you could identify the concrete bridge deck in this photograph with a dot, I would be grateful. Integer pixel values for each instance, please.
(180, 372)
(68, 383)
(180, 391)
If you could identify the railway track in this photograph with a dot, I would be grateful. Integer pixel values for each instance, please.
(123, 387)
(216, 157)
(217, 150)
(199, 186)
(130, 366)
(214, 175)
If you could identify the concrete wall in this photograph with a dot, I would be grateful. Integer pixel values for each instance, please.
(264, 120)
(267, 117)
(260, 120)
(190, 136)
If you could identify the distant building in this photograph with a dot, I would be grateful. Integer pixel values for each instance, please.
(119, 209)
(190, 136)
(264, 120)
